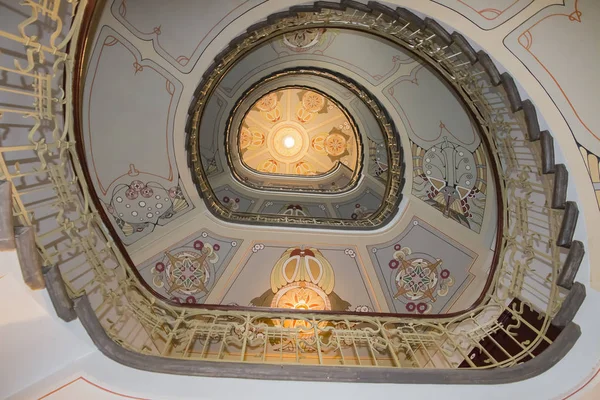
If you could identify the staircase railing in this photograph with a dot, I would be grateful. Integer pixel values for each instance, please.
(87, 276)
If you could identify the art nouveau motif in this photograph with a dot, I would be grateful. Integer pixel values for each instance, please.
(301, 277)
(286, 208)
(187, 271)
(297, 132)
(419, 280)
(172, 37)
(136, 322)
(443, 115)
(422, 270)
(142, 205)
(140, 190)
(568, 84)
(449, 165)
(487, 14)
(453, 180)
(592, 163)
(233, 200)
(360, 207)
(330, 46)
(303, 40)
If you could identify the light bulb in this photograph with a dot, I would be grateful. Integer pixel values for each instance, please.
(289, 142)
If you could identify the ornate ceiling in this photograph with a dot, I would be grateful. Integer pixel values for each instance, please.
(297, 131)
(196, 198)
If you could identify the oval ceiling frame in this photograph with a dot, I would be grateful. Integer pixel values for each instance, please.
(396, 166)
(241, 107)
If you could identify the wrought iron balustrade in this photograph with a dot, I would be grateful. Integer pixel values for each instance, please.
(38, 157)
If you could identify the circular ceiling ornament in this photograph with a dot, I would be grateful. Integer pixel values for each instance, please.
(291, 119)
(267, 102)
(288, 142)
(335, 144)
(313, 102)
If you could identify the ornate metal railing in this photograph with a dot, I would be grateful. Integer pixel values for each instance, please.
(39, 159)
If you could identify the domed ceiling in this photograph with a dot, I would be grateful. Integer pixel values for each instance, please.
(327, 120)
(297, 131)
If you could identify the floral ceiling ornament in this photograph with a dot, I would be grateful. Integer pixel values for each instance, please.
(252, 140)
(140, 205)
(304, 168)
(269, 106)
(311, 103)
(270, 166)
(418, 281)
(304, 39)
(453, 180)
(302, 278)
(334, 144)
(297, 131)
(187, 274)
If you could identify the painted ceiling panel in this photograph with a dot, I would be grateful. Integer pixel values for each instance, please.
(319, 133)
(430, 112)
(139, 192)
(422, 270)
(377, 63)
(205, 267)
(283, 276)
(571, 26)
(488, 14)
(172, 37)
(186, 272)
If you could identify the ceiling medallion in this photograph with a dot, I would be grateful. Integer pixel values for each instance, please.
(288, 142)
(298, 131)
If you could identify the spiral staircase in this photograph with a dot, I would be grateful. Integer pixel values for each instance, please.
(282, 142)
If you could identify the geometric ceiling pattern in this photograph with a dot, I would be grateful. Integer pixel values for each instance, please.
(297, 131)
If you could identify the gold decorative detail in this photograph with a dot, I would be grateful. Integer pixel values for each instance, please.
(303, 39)
(291, 139)
(304, 168)
(252, 140)
(335, 144)
(303, 115)
(301, 296)
(303, 265)
(318, 143)
(267, 102)
(313, 102)
(270, 166)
